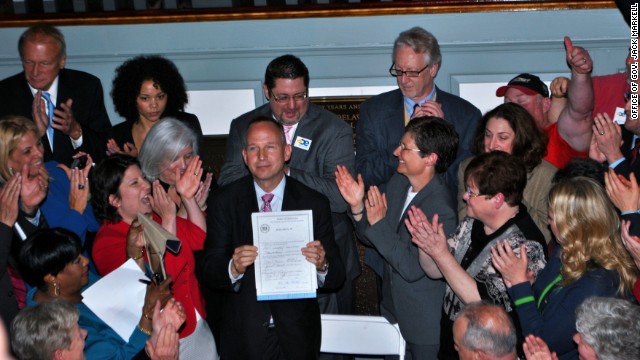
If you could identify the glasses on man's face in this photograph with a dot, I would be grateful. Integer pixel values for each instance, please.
(471, 194)
(403, 148)
(627, 96)
(283, 99)
(410, 73)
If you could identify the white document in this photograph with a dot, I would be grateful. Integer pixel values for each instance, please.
(282, 272)
(118, 298)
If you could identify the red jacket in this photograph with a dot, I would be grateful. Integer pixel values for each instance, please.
(109, 252)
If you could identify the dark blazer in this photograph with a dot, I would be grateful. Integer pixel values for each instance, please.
(381, 126)
(88, 109)
(626, 167)
(121, 133)
(409, 297)
(244, 319)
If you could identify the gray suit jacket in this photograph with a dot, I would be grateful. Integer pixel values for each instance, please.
(409, 297)
(331, 145)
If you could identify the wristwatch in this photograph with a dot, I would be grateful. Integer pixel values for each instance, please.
(324, 268)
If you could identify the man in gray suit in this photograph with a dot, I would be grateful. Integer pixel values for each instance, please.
(320, 141)
(409, 297)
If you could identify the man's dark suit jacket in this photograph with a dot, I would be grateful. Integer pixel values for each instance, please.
(331, 145)
(244, 319)
(88, 109)
(381, 127)
(627, 166)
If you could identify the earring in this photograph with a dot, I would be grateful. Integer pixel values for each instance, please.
(56, 289)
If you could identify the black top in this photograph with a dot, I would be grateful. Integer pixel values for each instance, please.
(122, 134)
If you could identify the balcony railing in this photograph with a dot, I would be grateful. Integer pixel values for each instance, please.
(21, 13)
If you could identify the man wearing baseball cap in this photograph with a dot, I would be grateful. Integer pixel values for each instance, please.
(570, 136)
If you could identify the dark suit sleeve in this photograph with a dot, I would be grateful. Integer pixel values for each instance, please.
(373, 160)
(625, 168)
(465, 118)
(96, 125)
(6, 236)
(233, 167)
(323, 231)
(213, 266)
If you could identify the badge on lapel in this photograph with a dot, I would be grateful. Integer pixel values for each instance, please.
(302, 143)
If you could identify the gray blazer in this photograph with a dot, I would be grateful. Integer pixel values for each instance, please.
(331, 145)
(409, 297)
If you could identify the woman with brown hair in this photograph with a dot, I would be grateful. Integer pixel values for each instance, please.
(510, 128)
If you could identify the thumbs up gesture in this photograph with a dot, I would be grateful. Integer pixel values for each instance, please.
(577, 57)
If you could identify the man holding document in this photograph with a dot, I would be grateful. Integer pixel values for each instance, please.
(268, 329)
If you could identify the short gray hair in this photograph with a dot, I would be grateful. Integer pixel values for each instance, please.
(162, 145)
(38, 331)
(610, 326)
(422, 42)
(489, 329)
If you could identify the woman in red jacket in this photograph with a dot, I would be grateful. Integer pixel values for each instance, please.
(120, 193)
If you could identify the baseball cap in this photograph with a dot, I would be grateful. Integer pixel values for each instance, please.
(527, 83)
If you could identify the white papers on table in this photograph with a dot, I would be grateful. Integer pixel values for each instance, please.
(118, 298)
(282, 272)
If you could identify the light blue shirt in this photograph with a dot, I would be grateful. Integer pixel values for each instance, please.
(410, 104)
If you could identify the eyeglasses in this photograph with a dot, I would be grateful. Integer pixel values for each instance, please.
(410, 73)
(403, 148)
(471, 194)
(283, 99)
(627, 96)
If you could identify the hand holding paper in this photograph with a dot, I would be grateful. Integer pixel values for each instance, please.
(243, 257)
(314, 253)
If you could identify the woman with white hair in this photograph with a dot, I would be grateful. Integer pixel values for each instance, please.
(608, 329)
(49, 330)
(165, 155)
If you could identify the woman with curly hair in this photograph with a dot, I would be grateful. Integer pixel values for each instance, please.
(590, 261)
(146, 89)
(510, 128)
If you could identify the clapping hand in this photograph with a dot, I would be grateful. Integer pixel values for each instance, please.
(187, 183)
(376, 205)
(428, 236)
(9, 195)
(512, 267)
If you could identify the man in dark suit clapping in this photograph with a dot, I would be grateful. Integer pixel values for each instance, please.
(72, 100)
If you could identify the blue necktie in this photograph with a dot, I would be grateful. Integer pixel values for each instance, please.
(51, 107)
